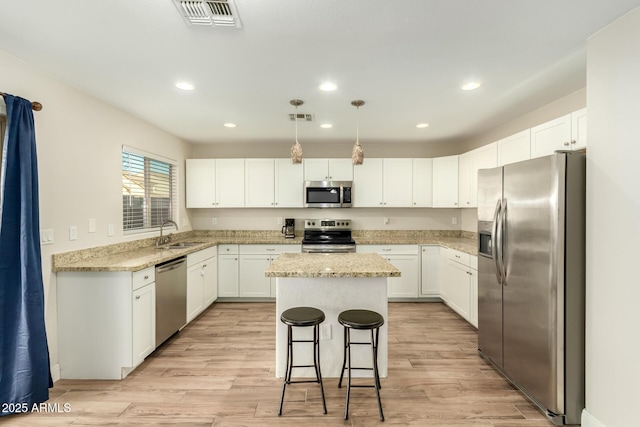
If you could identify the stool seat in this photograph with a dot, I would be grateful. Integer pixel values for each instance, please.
(361, 319)
(302, 316)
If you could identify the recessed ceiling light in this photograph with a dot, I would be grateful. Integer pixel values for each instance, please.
(185, 86)
(229, 125)
(326, 126)
(422, 125)
(328, 87)
(471, 85)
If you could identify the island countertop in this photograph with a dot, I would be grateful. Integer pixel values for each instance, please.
(331, 265)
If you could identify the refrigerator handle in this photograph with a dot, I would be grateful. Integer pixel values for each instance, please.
(503, 222)
(496, 253)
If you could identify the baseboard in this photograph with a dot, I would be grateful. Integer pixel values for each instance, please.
(55, 372)
(589, 420)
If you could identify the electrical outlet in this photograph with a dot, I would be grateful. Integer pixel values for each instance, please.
(279, 221)
(73, 232)
(92, 225)
(385, 220)
(325, 332)
(454, 220)
(110, 230)
(214, 221)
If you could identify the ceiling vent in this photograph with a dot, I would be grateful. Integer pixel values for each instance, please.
(301, 117)
(221, 13)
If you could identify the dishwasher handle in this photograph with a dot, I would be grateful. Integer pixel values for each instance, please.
(170, 265)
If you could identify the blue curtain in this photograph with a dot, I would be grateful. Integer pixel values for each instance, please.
(25, 376)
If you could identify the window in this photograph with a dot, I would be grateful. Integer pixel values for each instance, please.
(149, 190)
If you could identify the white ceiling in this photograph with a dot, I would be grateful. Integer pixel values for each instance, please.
(405, 58)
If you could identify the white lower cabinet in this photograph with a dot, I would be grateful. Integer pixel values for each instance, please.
(202, 281)
(106, 322)
(253, 283)
(241, 269)
(228, 285)
(430, 271)
(143, 311)
(404, 258)
(460, 284)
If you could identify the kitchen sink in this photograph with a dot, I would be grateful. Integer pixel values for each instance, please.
(181, 245)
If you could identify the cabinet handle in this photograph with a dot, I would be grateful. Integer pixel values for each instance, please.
(467, 202)
(137, 296)
(455, 203)
(573, 141)
(469, 273)
(386, 249)
(566, 144)
(271, 249)
(457, 256)
(146, 277)
(204, 266)
(414, 203)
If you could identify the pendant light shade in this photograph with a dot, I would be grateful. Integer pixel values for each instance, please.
(357, 154)
(296, 149)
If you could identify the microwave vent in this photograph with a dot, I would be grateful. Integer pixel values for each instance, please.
(301, 117)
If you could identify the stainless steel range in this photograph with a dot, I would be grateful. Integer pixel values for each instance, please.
(328, 236)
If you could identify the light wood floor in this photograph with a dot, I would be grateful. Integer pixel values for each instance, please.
(219, 371)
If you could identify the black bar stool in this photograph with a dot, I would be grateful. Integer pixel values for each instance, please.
(368, 320)
(302, 317)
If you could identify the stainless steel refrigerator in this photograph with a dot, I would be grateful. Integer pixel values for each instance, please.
(531, 279)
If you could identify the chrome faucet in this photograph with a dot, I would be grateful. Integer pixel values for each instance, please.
(165, 239)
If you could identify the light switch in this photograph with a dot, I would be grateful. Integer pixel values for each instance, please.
(73, 232)
(46, 236)
(92, 225)
(110, 230)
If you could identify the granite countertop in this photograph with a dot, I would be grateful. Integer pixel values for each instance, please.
(331, 265)
(139, 254)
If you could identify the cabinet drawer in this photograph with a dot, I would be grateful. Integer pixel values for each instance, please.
(198, 257)
(388, 249)
(269, 249)
(457, 256)
(143, 277)
(227, 249)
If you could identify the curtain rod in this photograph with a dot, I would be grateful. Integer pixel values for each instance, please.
(35, 106)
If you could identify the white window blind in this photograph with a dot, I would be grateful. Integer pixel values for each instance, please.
(149, 190)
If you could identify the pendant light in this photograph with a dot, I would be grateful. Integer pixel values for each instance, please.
(296, 149)
(357, 155)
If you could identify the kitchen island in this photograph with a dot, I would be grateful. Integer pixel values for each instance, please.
(332, 283)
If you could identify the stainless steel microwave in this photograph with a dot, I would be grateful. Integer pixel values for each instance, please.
(327, 194)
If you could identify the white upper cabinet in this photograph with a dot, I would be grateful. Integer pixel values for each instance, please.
(469, 164)
(564, 133)
(259, 183)
(367, 184)
(383, 183)
(422, 183)
(328, 170)
(515, 148)
(445, 182)
(229, 183)
(397, 178)
(289, 184)
(579, 129)
(201, 183)
(464, 179)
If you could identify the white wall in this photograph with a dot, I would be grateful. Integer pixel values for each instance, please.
(613, 230)
(79, 143)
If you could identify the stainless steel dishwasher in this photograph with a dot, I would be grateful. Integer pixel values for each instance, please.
(171, 298)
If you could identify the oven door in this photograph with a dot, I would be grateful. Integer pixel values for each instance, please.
(322, 194)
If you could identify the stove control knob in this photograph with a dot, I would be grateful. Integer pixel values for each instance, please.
(313, 223)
